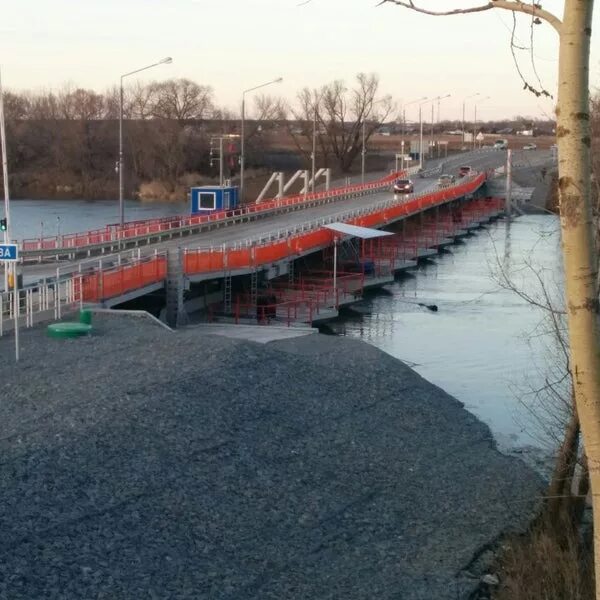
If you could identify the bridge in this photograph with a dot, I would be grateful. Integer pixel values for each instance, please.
(270, 262)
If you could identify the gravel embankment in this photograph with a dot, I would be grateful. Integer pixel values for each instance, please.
(139, 463)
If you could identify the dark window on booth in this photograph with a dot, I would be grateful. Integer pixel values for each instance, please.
(206, 200)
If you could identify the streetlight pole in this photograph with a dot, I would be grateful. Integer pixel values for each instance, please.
(420, 139)
(242, 130)
(421, 132)
(164, 61)
(438, 98)
(463, 114)
(4, 176)
(404, 114)
(362, 169)
(475, 118)
(314, 143)
(13, 267)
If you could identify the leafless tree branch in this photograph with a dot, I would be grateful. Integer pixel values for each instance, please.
(512, 5)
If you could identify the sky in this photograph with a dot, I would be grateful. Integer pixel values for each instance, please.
(233, 45)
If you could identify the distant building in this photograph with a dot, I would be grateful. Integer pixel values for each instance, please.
(525, 132)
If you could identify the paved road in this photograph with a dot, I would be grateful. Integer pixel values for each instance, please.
(479, 160)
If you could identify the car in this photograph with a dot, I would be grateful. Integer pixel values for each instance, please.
(529, 147)
(501, 144)
(403, 186)
(445, 180)
(465, 171)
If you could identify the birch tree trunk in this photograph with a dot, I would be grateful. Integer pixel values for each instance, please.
(580, 260)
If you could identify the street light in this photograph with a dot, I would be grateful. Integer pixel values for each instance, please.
(242, 157)
(475, 118)
(463, 115)
(404, 112)
(404, 123)
(364, 148)
(164, 61)
(363, 153)
(314, 141)
(6, 224)
(438, 98)
(421, 131)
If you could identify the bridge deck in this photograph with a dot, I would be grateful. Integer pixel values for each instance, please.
(254, 230)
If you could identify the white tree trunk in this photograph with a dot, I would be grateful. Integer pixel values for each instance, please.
(580, 259)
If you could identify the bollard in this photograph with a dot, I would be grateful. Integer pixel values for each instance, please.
(85, 316)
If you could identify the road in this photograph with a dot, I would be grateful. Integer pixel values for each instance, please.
(254, 230)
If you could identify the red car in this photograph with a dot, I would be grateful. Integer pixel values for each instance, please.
(403, 186)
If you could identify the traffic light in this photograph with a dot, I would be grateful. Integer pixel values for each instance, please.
(3, 224)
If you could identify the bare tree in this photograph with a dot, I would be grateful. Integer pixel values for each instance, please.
(182, 100)
(579, 253)
(306, 117)
(268, 111)
(343, 113)
(43, 106)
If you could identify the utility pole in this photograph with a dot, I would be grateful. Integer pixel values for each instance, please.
(508, 206)
(220, 139)
(13, 267)
(431, 143)
(363, 153)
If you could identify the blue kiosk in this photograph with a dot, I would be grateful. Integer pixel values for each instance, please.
(206, 199)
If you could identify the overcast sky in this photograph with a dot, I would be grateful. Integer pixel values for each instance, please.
(236, 44)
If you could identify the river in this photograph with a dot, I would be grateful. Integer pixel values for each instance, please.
(485, 345)
(35, 218)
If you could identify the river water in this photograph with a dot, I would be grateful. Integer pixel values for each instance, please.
(485, 345)
(35, 218)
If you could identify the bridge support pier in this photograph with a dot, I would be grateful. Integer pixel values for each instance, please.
(176, 315)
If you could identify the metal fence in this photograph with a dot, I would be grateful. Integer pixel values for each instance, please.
(45, 301)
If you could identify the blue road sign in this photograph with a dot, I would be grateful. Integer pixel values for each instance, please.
(9, 252)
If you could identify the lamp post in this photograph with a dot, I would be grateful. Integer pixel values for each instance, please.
(242, 143)
(404, 121)
(404, 112)
(463, 114)
(13, 267)
(475, 118)
(363, 152)
(438, 98)
(313, 155)
(421, 131)
(164, 61)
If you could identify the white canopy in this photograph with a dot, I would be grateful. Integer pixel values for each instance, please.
(365, 233)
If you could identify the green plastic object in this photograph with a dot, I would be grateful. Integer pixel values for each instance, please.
(85, 316)
(68, 330)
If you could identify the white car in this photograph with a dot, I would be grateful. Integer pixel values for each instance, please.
(529, 147)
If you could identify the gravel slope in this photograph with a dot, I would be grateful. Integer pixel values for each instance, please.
(139, 463)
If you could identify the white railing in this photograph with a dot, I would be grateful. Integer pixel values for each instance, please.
(45, 301)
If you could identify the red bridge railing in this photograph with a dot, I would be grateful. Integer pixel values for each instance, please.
(134, 229)
(201, 260)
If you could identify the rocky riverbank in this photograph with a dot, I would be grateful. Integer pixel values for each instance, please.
(140, 462)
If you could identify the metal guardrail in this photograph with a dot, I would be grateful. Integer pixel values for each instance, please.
(48, 300)
(308, 237)
(284, 233)
(110, 276)
(147, 232)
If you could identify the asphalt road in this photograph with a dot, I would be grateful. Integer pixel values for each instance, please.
(478, 160)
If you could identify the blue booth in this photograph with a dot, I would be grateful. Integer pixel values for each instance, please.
(207, 198)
